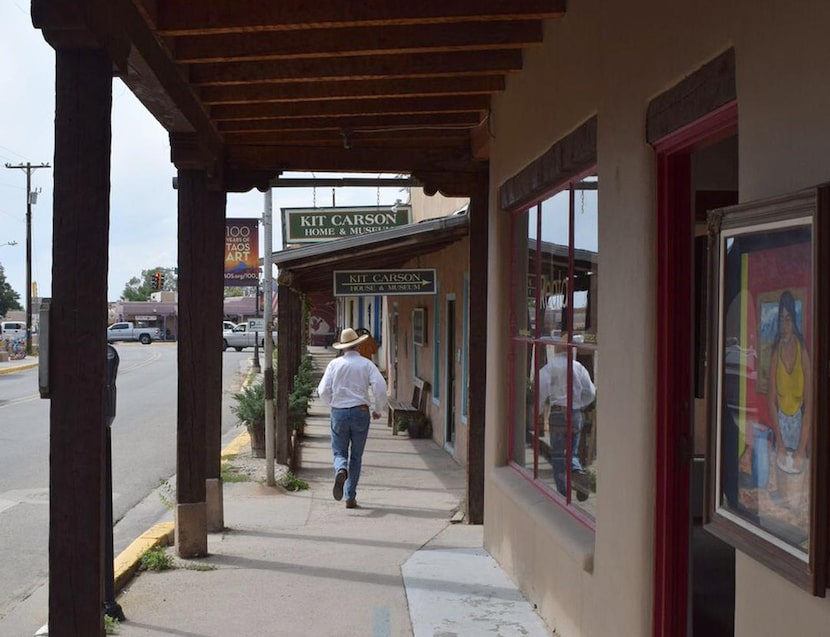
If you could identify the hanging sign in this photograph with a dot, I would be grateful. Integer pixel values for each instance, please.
(241, 252)
(311, 225)
(384, 282)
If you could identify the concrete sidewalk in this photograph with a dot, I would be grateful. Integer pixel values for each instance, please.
(300, 563)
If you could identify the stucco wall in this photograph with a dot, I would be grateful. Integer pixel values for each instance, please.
(610, 58)
(451, 265)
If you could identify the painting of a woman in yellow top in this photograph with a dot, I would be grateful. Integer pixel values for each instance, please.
(790, 390)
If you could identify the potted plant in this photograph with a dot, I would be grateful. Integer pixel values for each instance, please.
(415, 424)
(250, 410)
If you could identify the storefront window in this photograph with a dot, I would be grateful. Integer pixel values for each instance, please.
(554, 345)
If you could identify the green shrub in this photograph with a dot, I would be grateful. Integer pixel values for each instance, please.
(250, 405)
(300, 396)
(293, 483)
(156, 559)
(111, 625)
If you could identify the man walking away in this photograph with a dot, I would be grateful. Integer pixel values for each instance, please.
(345, 387)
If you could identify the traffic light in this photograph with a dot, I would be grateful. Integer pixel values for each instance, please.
(155, 280)
(160, 276)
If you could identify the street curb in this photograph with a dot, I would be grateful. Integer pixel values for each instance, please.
(17, 368)
(163, 534)
(236, 446)
(126, 564)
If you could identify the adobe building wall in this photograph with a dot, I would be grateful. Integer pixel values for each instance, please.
(451, 264)
(610, 59)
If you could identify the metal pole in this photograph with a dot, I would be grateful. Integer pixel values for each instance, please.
(28, 258)
(111, 607)
(270, 438)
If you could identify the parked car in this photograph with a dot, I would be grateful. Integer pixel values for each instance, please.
(11, 330)
(245, 335)
(127, 331)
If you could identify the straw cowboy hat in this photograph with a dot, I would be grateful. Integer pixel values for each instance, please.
(349, 338)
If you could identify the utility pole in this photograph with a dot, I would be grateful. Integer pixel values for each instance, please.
(30, 199)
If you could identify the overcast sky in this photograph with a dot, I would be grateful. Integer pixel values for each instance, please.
(142, 200)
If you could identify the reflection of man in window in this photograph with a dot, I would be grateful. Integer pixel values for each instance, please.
(553, 387)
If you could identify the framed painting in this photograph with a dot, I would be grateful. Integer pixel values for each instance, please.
(763, 495)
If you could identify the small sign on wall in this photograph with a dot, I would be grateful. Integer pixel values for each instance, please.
(410, 282)
(419, 326)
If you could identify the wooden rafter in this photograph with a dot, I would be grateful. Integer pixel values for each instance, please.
(369, 41)
(185, 17)
(262, 86)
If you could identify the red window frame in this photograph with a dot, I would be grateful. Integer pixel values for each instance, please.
(537, 341)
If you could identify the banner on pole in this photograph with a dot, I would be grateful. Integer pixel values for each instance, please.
(241, 252)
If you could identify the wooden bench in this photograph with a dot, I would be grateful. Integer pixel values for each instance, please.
(418, 404)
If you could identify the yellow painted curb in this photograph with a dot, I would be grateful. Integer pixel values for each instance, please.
(126, 564)
(236, 446)
(18, 368)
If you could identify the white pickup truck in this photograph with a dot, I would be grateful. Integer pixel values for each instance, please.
(245, 335)
(126, 331)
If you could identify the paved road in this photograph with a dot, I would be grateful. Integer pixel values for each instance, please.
(144, 456)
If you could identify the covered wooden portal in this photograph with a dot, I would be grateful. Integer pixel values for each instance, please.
(246, 89)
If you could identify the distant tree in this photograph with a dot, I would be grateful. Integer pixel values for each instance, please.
(9, 299)
(139, 288)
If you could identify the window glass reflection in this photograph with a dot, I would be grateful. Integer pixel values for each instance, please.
(554, 344)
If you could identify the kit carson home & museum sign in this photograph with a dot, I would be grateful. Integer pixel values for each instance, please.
(310, 225)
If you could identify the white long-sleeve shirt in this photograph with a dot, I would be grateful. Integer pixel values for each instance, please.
(553, 384)
(347, 380)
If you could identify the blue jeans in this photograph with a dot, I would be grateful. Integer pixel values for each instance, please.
(558, 431)
(349, 428)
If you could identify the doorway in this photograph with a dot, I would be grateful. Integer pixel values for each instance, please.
(449, 364)
(694, 571)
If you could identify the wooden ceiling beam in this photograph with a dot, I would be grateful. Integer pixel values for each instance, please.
(392, 160)
(398, 66)
(360, 89)
(413, 122)
(185, 17)
(442, 138)
(335, 108)
(325, 43)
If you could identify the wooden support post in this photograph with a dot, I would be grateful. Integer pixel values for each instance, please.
(196, 356)
(78, 355)
(212, 306)
(283, 379)
(479, 242)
